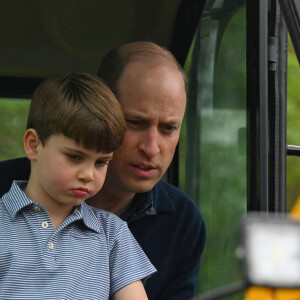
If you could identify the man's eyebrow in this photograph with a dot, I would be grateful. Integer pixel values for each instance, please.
(173, 121)
(134, 115)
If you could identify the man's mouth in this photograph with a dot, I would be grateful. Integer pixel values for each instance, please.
(144, 168)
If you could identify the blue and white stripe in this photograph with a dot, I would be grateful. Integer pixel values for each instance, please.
(91, 255)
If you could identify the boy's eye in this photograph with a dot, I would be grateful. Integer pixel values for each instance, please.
(73, 157)
(102, 162)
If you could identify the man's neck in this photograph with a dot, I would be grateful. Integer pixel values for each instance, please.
(111, 199)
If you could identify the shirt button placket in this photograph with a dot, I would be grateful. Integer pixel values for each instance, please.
(45, 225)
(37, 209)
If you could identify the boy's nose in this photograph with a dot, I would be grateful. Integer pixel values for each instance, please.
(86, 174)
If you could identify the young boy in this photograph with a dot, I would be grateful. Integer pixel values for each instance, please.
(52, 244)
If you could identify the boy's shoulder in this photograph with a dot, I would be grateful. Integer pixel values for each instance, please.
(109, 221)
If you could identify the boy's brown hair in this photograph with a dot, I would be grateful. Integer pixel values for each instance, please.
(81, 107)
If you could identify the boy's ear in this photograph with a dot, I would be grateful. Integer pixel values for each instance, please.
(31, 142)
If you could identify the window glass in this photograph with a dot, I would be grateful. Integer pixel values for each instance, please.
(213, 148)
(13, 116)
(293, 125)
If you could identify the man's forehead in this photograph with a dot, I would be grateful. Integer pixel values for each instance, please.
(150, 65)
(163, 116)
(139, 76)
(151, 91)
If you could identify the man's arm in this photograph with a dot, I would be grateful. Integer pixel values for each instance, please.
(14, 169)
(184, 281)
(133, 291)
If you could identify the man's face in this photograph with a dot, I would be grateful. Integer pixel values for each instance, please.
(153, 102)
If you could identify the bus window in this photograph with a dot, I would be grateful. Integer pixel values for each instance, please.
(13, 116)
(214, 145)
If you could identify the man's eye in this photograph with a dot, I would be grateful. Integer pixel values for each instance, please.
(169, 128)
(133, 122)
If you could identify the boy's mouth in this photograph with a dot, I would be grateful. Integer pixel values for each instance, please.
(81, 191)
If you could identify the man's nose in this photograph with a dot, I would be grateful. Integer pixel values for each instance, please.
(150, 142)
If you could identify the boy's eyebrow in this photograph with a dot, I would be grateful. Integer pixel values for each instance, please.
(107, 156)
(104, 156)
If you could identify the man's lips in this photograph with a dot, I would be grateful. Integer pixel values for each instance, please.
(145, 166)
(144, 170)
(80, 191)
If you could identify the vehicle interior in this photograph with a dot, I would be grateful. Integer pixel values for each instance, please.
(232, 154)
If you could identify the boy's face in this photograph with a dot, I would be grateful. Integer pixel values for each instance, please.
(64, 173)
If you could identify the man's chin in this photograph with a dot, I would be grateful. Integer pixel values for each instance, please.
(143, 187)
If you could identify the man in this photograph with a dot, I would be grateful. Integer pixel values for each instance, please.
(151, 88)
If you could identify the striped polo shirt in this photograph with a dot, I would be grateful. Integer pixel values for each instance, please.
(91, 255)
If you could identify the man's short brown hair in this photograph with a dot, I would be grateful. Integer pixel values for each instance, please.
(114, 63)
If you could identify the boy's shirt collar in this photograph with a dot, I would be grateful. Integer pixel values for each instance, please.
(88, 217)
(15, 200)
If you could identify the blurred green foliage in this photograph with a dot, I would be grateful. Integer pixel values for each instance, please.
(293, 126)
(13, 116)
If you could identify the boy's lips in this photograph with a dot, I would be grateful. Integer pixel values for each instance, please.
(80, 191)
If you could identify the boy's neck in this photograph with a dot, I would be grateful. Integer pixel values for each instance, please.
(110, 199)
(58, 213)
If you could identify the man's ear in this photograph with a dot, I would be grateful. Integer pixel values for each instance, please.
(31, 142)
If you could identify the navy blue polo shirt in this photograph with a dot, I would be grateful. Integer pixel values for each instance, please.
(170, 229)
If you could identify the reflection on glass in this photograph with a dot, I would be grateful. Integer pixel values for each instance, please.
(216, 137)
(293, 125)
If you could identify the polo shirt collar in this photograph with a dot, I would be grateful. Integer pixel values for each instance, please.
(16, 193)
(89, 217)
(15, 200)
(154, 202)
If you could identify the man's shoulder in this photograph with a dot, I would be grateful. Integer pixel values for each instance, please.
(170, 188)
(13, 169)
(174, 194)
(178, 203)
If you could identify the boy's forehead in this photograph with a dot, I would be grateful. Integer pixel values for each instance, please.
(70, 144)
(80, 149)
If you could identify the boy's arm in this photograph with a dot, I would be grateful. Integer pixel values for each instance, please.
(132, 291)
